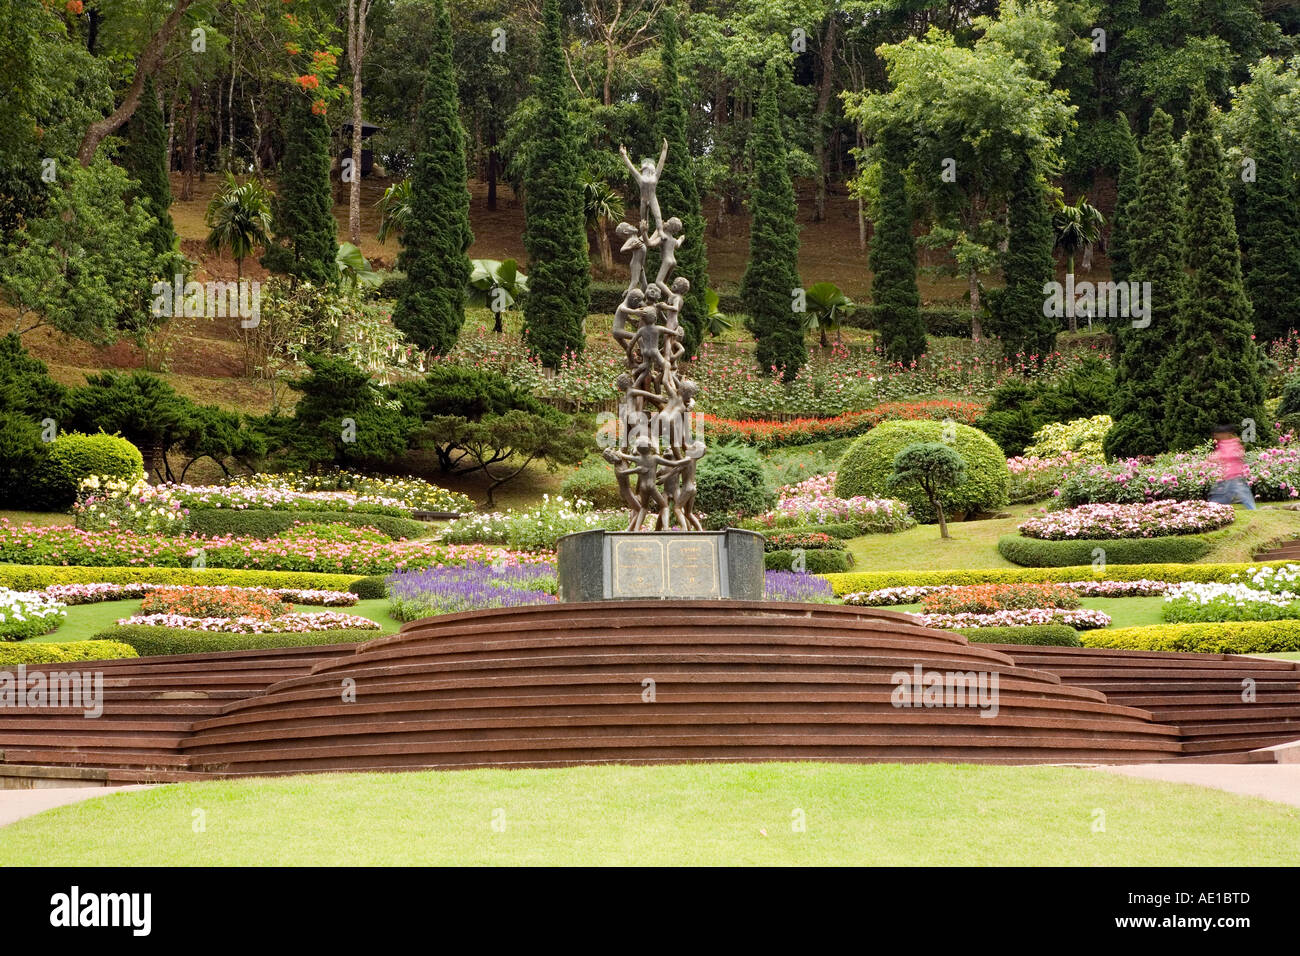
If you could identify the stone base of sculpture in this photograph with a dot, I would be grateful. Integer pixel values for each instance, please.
(692, 566)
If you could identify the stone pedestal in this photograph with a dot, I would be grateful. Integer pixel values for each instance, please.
(673, 565)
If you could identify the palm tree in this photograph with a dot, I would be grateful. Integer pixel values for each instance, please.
(603, 205)
(394, 210)
(826, 306)
(239, 219)
(1077, 227)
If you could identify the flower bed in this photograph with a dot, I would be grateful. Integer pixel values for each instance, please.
(1149, 520)
(802, 539)
(24, 614)
(991, 598)
(813, 501)
(1037, 479)
(417, 594)
(796, 587)
(1198, 602)
(94, 593)
(109, 504)
(912, 594)
(411, 494)
(1079, 619)
(214, 602)
(763, 433)
(294, 623)
(538, 529)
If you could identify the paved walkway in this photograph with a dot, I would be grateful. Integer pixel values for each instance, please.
(16, 804)
(1277, 782)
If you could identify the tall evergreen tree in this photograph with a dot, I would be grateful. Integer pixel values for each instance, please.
(679, 193)
(772, 272)
(1121, 262)
(555, 227)
(306, 234)
(1211, 374)
(435, 240)
(1154, 239)
(893, 264)
(1028, 266)
(145, 160)
(1270, 234)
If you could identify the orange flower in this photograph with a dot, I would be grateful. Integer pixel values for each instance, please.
(75, 6)
(293, 48)
(308, 81)
(319, 107)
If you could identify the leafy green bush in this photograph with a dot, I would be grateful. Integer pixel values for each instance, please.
(369, 588)
(876, 580)
(840, 530)
(262, 523)
(154, 641)
(1231, 637)
(1018, 409)
(73, 456)
(23, 577)
(815, 561)
(1082, 436)
(1037, 553)
(1041, 635)
(731, 480)
(51, 652)
(866, 468)
(593, 481)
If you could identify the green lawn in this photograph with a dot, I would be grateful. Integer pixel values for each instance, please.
(84, 621)
(885, 814)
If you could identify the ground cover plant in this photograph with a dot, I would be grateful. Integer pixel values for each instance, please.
(24, 615)
(1146, 520)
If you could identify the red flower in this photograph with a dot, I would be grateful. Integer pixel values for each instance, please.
(75, 6)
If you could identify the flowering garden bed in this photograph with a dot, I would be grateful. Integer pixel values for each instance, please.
(1148, 520)
(765, 433)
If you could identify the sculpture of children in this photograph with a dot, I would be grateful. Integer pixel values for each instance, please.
(671, 309)
(636, 244)
(667, 239)
(648, 178)
(673, 420)
(611, 455)
(645, 464)
(680, 488)
(652, 362)
(629, 308)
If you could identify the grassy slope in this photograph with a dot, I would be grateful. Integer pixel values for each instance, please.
(695, 814)
(84, 621)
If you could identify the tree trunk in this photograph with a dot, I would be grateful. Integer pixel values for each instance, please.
(146, 66)
(492, 165)
(356, 56)
(1069, 309)
(823, 115)
(943, 524)
(602, 243)
(191, 133)
(976, 333)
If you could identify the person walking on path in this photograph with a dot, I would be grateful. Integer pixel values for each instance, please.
(1230, 458)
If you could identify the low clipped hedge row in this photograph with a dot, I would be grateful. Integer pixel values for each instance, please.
(266, 523)
(1038, 553)
(369, 588)
(56, 653)
(154, 641)
(1041, 635)
(875, 580)
(841, 530)
(34, 577)
(1227, 637)
(815, 561)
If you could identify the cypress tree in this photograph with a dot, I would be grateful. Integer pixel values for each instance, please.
(555, 227)
(1270, 234)
(1211, 374)
(1155, 250)
(772, 272)
(306, 234)
(1028, 266)
(145, 160)
(1126, 189)
(893, 265)
(431, 308)
(678, 191)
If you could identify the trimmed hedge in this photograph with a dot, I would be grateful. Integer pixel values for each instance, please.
(369, 588)
(1040, 635)
(155, 641)
(55, 653)
(1174, 573)
(840, 530)
(1227, 637)
(267, 523)
(34, 577)
(73, 456)
(866, 468)
(816, 561)
(1039, 553)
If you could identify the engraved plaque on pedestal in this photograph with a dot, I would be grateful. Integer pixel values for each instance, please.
(680, 565)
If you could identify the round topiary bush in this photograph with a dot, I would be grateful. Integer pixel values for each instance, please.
(731, 480)
(369, 588)
(73, 456)
(867, 465)
(593, 481)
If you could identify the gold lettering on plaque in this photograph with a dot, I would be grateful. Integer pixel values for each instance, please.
(638, 568)
(693, 567)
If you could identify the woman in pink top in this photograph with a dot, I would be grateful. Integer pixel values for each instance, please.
(1231, 460)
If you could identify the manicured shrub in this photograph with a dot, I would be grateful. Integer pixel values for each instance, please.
(876, 580)
(73, 456)
(1232, 637)
(819, 561)
(36, 577)
(1082, 437)
(1034, 553)
(808, 540)
(593, 481)
(868, 464)
(731, 479)
(267, 524)
(153, 641)
(370, 588)
(57, 653)
(1041, 635)
(840, 530)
